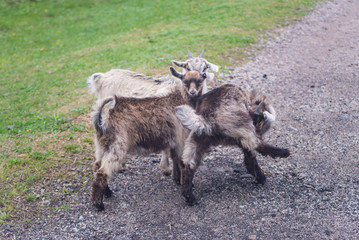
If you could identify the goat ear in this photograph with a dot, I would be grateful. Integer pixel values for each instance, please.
(189, 54)
(213, 67)
(176, 74)
(180, 64)
(202, 54)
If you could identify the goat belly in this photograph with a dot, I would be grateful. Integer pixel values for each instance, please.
(150, 145)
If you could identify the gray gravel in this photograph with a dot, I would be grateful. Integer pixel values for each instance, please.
(311, 71)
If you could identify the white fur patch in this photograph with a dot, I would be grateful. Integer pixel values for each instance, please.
(210, 77)
(92, 81)
(193, 121)
(268, 116)
(213, 67)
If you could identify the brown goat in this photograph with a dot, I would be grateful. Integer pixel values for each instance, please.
(227, 115)
(142, 126)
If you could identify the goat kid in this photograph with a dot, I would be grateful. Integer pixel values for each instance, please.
(227, 115)
(198, 64)
(142, 126)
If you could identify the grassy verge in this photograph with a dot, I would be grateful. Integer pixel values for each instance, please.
(49, 48)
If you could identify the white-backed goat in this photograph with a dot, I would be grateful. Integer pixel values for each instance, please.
(126, 83)
(227, 115)
(140, 125)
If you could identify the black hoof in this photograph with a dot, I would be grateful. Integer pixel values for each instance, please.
(99, 207)
(177, 181)
(167, 172)
(190, 200)
(285, 153)
(261, 178)
(107, 192)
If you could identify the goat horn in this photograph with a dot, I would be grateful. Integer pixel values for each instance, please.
(189, 54)
(247, 106)
(258, 109)
(202, 54)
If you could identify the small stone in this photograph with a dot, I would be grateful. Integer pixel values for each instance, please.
(252, 237)
(293, 128)
(322, 207)
(301, 176)
(246, 176)
(81, 218)
(45, 202)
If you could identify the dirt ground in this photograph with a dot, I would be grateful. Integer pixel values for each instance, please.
(311, 71)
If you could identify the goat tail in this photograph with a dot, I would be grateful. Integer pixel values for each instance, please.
(100, 117)
(269, 150)
(193, 121)
(93, 82)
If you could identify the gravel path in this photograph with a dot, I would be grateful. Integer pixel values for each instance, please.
(311, 71)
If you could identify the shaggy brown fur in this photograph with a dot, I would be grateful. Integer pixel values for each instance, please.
(224, 116)
(142, 126)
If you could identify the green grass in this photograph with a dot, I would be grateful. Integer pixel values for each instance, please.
(49, 48)
(30, 197)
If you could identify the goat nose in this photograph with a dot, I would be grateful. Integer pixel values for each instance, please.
(192, 91)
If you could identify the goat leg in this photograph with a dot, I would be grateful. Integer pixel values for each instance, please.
(176, 166)
(98, 188)
(164, 164)
(252, 166)
(269, 150)
(187, 185)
